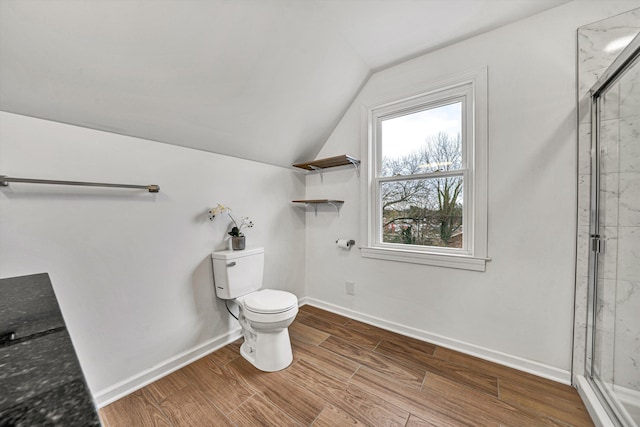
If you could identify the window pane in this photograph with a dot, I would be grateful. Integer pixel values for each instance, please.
(426, 212)
(422, 142)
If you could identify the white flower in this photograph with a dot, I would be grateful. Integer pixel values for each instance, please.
(237, 229)
(246, 222)
(218, 210)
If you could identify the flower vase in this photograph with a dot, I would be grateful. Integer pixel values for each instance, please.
(237, 243)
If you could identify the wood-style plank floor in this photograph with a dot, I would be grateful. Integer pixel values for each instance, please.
(347, 373)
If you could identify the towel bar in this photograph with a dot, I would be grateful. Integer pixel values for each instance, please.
(5, 180)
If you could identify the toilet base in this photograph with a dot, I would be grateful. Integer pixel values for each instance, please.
(271, 352)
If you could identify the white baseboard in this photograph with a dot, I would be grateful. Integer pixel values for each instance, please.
(136, 382)
(131, 384)
(535, 368)
(117, 391)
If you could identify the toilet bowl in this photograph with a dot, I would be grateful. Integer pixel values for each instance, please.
(264, 314)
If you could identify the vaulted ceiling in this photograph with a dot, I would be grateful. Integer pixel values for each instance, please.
(265, 80)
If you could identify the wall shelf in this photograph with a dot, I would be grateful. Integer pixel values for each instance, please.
(318, 166)
(330, 162)
(316, 202)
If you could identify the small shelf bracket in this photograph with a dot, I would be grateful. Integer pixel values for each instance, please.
(335, 203)
(355, 163)
(318, 170)
(335, 206)
(315, 207)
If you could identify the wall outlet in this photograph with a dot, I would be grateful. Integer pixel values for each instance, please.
(350, 287)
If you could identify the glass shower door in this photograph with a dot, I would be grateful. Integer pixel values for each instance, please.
(615, 255)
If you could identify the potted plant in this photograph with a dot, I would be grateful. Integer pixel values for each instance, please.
(237, 236)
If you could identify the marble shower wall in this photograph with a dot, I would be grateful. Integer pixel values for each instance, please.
(618, 337)
(626, 168)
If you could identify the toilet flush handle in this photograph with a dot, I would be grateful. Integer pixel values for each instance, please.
(231, 264)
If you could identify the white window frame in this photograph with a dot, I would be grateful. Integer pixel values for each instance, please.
(471, 89)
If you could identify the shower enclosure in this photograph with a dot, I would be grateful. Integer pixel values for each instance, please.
(612, 360)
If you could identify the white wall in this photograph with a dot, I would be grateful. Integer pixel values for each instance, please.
(520, 310)
(131, 270)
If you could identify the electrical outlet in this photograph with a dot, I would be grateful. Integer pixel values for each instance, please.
(350, 287)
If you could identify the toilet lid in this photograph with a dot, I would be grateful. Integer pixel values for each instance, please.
(270, 301)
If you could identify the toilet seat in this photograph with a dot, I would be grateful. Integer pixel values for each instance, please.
(269, 301)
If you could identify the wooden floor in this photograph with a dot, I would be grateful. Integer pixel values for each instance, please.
(347, 373)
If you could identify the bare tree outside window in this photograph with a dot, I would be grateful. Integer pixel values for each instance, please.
(422, 210)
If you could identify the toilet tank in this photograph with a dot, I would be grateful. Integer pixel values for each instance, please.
(237, 273)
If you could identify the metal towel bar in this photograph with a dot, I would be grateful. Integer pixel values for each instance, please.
(5, 180)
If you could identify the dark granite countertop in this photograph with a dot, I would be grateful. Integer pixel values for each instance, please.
(41, 383)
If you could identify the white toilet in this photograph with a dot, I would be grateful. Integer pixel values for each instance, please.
(265, 314)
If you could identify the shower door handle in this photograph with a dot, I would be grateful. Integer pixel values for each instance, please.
(597, 244)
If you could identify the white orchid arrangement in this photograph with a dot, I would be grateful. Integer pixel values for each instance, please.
(236, 231)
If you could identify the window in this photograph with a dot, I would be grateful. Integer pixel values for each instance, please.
(426, 187)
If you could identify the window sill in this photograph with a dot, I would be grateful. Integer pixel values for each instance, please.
(463, 262)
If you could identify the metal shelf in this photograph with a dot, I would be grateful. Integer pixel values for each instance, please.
(330, 162)
(316, 202)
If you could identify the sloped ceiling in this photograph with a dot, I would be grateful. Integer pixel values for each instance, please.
(264, 80)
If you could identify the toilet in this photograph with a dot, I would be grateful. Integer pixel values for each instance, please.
(265, 314)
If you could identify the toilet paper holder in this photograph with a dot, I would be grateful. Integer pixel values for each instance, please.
(345, 243)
